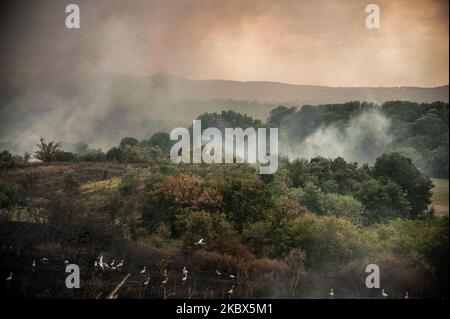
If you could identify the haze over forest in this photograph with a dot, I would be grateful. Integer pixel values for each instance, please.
(101, 108)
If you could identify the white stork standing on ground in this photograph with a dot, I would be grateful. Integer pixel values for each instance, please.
(331, 293)
(101, 263)
(231, 291)
(383, 293)
(185, 274)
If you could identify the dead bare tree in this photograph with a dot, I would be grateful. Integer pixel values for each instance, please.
(114, 293)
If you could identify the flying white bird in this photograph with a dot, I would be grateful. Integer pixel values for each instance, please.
(143, 270)
(383, 293)
(218, 273)
(406, 295)
(200, 242)
(147, 282)
(331, 293)
(10, 277)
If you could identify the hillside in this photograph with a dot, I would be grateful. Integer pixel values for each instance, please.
(172, 87)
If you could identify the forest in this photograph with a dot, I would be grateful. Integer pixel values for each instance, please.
(311, 227)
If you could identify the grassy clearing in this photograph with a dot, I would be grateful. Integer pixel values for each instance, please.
(440, 196)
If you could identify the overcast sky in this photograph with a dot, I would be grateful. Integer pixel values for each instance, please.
(320, 42)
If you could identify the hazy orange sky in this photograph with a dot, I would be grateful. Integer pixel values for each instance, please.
(320, 42)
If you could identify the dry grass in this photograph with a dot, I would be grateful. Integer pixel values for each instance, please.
(440, 196)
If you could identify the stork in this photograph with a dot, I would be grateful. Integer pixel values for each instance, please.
(383, 293)
(143, 270)
(331, 293)
(164, 282)
(218, 273)
(33, 264)
(147, 282)
(100, 263)
(185, 271)
(232, 276)
(406, 295)
(231, 291)
(10, 277)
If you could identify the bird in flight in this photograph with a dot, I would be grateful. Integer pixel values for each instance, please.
(200, 242)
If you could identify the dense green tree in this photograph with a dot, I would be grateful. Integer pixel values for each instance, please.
(383, 201)
(400, 170)
(160, 139)
(131, 141)
(245, 200)
(312, 198)
(114, 154)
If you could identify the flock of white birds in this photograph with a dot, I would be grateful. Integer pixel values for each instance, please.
(101, 265)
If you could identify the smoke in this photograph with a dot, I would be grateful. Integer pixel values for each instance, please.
(361, 140)
(90, 85)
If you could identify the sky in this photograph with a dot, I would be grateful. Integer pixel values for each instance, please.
(320, 42)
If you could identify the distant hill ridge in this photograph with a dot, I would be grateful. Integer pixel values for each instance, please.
(172, 87)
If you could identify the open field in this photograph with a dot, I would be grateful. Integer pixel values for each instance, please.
(440, 196)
